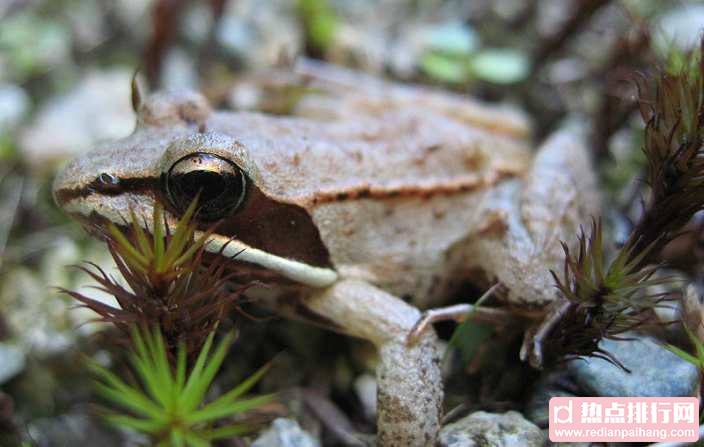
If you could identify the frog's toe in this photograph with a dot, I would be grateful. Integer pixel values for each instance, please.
(457, 313)
(419, 328)
(532, 350)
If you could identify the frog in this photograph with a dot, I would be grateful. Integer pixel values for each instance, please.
(370, 202)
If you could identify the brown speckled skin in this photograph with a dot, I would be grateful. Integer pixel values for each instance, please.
(403, 190)
(438, 169)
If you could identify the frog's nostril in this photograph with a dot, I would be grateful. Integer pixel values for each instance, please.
(108, 179)
(105, 183)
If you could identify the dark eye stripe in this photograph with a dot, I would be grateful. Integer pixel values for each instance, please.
(110, 185)
(97, 186)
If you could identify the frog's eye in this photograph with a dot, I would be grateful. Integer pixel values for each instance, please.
(220, 182)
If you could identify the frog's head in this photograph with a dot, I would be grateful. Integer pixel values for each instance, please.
(171, 158)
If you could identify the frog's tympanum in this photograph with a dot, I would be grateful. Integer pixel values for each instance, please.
(373, 200)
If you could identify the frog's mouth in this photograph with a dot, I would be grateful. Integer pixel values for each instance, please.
(291, 269)
(94, 212)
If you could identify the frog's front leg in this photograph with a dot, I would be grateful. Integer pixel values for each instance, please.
(525, 222)
(408, 377)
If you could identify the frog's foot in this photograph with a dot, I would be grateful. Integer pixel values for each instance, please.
(461, 312)
(458, 313)
(408, 377)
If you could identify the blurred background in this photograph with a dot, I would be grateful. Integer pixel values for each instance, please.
(65, 74)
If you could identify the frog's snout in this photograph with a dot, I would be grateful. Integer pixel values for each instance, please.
(63, 185)
(92, 191)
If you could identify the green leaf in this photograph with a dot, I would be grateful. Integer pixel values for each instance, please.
(468, 338)
(320, 21)
(143, 425)
(194, 440)
(211, 368)
(149, 378)
(444, 68)
(698, 345)
(181, 366)
(155, 365)
(141, 236)
(227, 432)
(469, 335)
(126, 248)
(188, 254)
(162, 367)
(177, 438)
(454, 38)
(178, 242)
(322, 29)
(116, 390)
(243, 387)
(158, 224)
(190, 399)
(182, 235)
(216, 411)
(130, 399)
(142, 361)
(684, 355)
(500, 66)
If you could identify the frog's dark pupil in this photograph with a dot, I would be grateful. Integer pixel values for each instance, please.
(221, 190)
(209, 184)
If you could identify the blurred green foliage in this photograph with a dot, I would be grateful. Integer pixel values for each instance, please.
(32, 44)
(320, 22)
(8, 148)
(453, 55)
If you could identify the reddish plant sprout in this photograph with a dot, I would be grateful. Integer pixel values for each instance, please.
(607, 299)
(168, 284)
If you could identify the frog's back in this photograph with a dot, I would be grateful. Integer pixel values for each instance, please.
(371, 146)
(392, 181)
